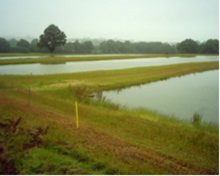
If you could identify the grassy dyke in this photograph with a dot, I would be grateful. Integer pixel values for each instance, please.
(111, 137)
(110, 140)
(58, 58)
(105, 80)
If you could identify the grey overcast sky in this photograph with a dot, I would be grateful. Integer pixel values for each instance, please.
(138, 20)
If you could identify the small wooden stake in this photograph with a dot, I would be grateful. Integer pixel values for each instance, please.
(77, 115)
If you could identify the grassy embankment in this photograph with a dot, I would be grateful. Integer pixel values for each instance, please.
(110, 139)
(59, 58)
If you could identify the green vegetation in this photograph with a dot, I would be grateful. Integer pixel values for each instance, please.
(103, 80)
(4, 45)
(110, 139)
(52, 38)
(188, 46)
(196, 119)
(191, 46)
(211, 46)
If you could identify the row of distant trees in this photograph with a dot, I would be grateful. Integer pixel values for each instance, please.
(211, 46)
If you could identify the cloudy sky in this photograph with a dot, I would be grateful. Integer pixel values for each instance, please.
(137, 20)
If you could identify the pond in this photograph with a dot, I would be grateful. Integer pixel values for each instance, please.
(179, 97)
(70, 67)
(20, 57)
(61, 55)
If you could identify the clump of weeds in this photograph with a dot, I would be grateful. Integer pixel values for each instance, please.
(15, 141)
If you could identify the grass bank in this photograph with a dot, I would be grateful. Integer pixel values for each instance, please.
(110, 140)
(60, 58)
(105, 80)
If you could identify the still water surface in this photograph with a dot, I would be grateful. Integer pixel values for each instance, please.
(180, 96)
(20, 57)
(61, 55)
(70, 67)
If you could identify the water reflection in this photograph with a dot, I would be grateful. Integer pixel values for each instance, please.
(179, 97)
(21, 57)
(70, 67)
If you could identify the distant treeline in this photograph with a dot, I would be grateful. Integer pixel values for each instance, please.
(211, 46)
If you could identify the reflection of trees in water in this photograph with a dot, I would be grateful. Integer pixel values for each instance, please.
(119, 90)
(98, 95)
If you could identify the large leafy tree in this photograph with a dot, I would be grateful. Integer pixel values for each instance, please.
(211, 46)
(23, 43)
(33, 45)
(52, 38)
(4, 45)
(23, 46)
(87, 47)
(188, 46)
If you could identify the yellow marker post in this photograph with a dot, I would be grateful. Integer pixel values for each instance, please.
(77, 115)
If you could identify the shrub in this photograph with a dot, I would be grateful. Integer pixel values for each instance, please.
(196, 119)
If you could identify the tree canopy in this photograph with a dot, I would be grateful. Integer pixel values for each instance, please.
(188, 46)
(52, 38)
(4, 45)
(210, 46)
